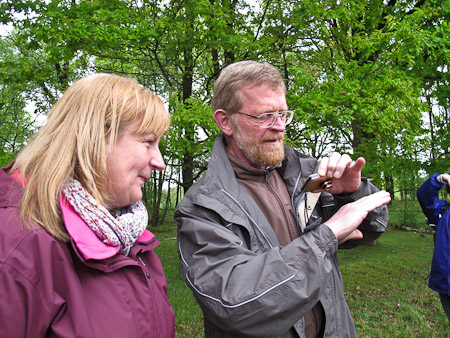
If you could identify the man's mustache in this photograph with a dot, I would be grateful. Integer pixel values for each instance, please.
(276, 137)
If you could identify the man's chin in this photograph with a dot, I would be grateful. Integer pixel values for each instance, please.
(271, 158)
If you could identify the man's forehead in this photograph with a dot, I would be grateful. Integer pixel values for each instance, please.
(262, 99)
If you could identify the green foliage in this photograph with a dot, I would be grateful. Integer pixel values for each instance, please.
(369, 78)
(357, 92)
(16, 124)
(196, 116)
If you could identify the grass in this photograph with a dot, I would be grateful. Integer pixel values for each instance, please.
(385, 284)
(188, 315)
(387, 290)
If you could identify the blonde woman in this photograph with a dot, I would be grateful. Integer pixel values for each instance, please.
(76, 259)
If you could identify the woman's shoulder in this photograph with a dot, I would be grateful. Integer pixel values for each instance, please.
(18, 243)
(27, 250)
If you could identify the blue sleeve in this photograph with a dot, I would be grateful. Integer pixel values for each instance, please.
(427, 195)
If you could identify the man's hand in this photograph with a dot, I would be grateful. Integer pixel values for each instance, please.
(346, 174)
(345, 221)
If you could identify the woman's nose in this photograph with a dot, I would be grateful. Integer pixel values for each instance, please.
(157, 161)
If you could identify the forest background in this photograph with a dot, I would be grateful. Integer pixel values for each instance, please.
(365, 77)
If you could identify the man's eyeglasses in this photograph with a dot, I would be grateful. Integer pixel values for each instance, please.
(267, 120)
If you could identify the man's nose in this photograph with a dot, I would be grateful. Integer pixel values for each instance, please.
(279, 124)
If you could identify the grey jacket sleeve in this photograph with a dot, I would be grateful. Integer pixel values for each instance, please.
(373, 225)
(252, 293)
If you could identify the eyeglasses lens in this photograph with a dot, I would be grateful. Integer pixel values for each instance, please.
(267, 120)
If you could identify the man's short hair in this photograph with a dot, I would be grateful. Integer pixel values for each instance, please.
(233, 77)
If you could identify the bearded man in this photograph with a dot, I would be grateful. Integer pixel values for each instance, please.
(256, 248)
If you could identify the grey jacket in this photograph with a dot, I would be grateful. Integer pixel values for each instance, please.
(246, 283)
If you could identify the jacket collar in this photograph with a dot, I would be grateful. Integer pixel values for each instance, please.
(244, 171)
(88, 244)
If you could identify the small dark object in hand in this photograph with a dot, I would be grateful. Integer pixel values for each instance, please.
(316, 182)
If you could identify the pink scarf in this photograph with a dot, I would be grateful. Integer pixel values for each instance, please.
(122, 228)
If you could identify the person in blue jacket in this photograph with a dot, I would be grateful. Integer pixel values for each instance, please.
(437, 212)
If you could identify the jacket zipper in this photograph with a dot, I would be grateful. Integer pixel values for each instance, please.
(289, 229)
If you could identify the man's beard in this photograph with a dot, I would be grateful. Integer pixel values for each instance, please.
(257, 152)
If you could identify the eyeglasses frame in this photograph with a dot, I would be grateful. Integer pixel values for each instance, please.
(286, 112)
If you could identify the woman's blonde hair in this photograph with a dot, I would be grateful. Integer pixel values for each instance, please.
(81, 129)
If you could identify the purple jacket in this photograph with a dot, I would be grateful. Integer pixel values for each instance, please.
(53, 289)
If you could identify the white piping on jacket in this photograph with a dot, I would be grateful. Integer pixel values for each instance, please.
(181, 254)
(328, 205)
(242, 303)
(381, 222)
(248, 300)
(250, 217)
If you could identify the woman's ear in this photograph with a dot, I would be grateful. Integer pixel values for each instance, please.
(223, 121)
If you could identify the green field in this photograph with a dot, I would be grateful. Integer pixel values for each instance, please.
(385, 286)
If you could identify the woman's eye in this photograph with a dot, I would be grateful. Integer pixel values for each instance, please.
(150, 140)
(153, 142)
